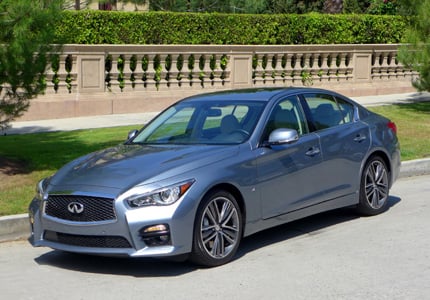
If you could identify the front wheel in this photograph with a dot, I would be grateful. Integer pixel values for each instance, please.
(374, 187)
(217, 230)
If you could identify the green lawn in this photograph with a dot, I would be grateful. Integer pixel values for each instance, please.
(413, 127)
(41, 154)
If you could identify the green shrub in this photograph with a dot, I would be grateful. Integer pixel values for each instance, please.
(99, 27)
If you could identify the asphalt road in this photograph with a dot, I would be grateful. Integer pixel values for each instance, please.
(335, 255)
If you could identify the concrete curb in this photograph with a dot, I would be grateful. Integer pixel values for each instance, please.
(17, 226)
(415, 167)
(14, 227)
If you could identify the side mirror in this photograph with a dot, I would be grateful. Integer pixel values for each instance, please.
(283, 136)
(132, 134)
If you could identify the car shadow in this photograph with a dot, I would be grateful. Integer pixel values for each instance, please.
(312, 225)
(147, 267)
(123, 266)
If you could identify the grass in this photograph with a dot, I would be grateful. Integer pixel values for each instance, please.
(40, 155)
(413, 127)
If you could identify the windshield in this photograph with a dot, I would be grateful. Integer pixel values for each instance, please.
(201, 122)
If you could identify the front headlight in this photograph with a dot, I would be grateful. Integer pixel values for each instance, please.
(163, 196)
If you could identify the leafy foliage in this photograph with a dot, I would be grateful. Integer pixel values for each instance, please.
(416, 52)
(27, 32)
(383, 7)
(377, 7)
(98, 27)
(244, 6)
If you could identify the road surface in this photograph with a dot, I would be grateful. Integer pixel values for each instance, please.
(335, 255)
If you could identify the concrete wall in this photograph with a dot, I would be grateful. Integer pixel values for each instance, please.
(111, 79)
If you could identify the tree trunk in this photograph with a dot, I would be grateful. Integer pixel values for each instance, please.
(333, 6)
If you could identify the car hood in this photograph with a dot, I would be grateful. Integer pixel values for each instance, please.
(125, 166)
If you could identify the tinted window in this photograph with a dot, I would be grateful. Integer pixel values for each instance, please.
(214, 120)
(201, 122)
(176, 125)
(326, 112)
(286, 114)
(347, 110)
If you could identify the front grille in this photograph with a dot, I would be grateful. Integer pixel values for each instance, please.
(95, 209)
(87, 240)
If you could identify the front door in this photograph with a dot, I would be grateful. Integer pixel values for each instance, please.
(288, 174)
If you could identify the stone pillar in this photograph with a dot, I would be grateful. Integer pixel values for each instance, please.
(241, 71)
(362, 67)
(91, 73)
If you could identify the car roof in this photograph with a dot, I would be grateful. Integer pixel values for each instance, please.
(253, 94)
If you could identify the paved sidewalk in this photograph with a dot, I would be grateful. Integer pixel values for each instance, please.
(68, 124)
(139, 119)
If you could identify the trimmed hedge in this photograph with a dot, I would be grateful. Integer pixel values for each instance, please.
(100, 27)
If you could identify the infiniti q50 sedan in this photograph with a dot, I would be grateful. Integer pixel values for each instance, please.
(214, 168)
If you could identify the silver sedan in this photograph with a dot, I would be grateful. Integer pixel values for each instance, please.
(216, 167)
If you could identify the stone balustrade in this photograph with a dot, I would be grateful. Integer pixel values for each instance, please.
(106, 79)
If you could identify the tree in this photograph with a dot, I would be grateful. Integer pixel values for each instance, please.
(239, 6)
(351, 6)
(416, 51)
(26, 38)
(383, 7)
(190, 5)
(114, 3)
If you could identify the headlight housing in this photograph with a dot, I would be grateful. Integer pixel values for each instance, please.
(164, 196)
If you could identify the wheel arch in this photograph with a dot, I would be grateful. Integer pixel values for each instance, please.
(384, 156)
(199, 252)
(236, 194)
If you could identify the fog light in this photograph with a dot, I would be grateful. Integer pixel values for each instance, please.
(155, 228)
(156, 235)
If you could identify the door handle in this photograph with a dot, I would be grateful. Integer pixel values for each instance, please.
(359, 138)
(313, 151)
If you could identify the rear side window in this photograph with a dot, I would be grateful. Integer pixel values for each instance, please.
(347, 110)
(326, 111)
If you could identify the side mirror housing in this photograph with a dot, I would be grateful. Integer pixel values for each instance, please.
(132, 134)
(283, 136)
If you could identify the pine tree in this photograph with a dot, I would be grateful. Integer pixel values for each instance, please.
(26, 38)
(416, 52)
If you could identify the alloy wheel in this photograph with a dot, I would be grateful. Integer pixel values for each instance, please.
(220, 227)
(376, 184)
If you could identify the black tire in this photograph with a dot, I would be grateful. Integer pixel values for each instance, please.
(374, 187)
(217, 230)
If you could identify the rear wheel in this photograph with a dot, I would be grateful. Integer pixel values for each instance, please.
(217, 230)
(374, 187)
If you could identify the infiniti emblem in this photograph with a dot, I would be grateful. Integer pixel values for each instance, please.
(75, 208)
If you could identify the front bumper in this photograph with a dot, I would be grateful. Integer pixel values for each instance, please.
(124, 236)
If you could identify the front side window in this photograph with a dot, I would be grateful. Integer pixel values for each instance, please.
(326, 112)
(287, 114)
(201, 122)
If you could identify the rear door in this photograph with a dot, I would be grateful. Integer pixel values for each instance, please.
(344, 140)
